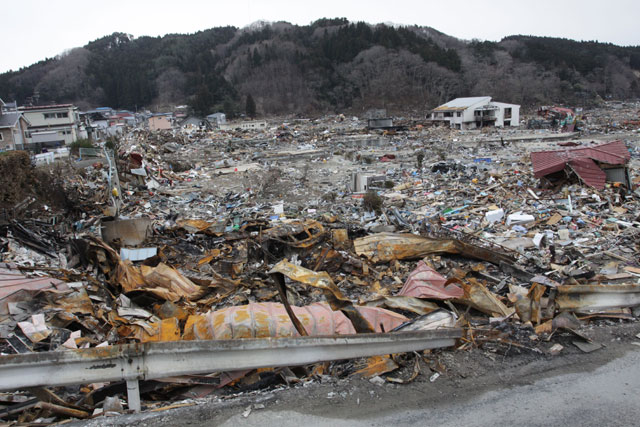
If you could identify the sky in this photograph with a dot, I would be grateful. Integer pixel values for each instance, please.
(33, 30)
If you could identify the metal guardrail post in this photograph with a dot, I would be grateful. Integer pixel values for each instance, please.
(133, 395)
(114, 181)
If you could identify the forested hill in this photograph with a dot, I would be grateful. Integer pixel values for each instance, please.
(330, 65)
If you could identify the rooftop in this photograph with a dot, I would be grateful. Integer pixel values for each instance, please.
(9, 120)
(463, 103)
(582, 160)
(45, 107)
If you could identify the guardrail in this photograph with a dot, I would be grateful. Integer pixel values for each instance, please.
(134, 362)
(90, 152)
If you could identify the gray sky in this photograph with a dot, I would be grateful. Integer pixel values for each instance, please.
(33, 30)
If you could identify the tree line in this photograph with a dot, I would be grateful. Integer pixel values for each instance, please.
(329, 65)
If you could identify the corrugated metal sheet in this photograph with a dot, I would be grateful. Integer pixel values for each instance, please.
(462, 103)
(13, 281)
(268, 319)
(425, 282)
(581, 159)
(589, 172)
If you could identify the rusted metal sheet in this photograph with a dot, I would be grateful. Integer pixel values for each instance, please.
(340, 238)
(164, 277)
(297, 234)
(546, 162)
(322, 280)
(425, 282)
(270, 320)
(584, 298)
(193, 225)
(377, 365)
(164, 331)
(128, 232)
(163, 281)
(582, 160)
(528, 307)
(75, 301)
(385, 247)
(128, 276)
(476, 295)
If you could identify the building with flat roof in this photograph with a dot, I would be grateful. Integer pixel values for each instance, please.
(248, 125)
(51, 125)
(476, 112)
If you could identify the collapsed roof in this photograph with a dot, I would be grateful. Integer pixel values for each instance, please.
(584, 161)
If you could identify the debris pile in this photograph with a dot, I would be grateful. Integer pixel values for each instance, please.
(224, 235)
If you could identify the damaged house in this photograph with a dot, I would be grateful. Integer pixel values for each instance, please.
(476, 112)
(13, 126)
(51, 126)
(160, 121)
(591, 165)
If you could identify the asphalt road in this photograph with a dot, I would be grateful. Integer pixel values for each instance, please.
(609, 395)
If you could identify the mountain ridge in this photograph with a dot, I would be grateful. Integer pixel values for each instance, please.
(327, 66)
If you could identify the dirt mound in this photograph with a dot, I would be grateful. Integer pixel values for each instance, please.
(19, 179)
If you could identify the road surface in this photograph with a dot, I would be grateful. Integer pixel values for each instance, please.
(609, 396)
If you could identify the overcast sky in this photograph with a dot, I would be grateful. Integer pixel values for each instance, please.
(33, 30)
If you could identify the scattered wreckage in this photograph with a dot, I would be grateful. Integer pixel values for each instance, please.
(184, 277)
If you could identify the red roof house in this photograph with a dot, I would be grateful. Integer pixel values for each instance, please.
(586, 162)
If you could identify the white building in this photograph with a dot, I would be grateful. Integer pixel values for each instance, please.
(476, 112)
(51, 125)
(217, 119)
(249, 125)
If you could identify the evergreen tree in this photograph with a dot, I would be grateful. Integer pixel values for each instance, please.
(250, 107)
(229, 109)
(257, 59)
(202, 101)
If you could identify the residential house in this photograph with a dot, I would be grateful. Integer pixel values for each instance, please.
(476, 112)
(126, 117)
(99, 117)
(104, 122)
(159, 122)
(51, 125)
(118, 121)
(593, 165)
(13, 128)
(217, 119)
(193, 122)
(8, 107)
(180, 112)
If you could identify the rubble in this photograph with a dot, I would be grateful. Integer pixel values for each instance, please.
(261, 234)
